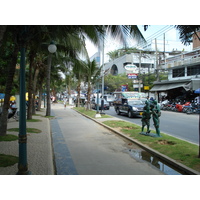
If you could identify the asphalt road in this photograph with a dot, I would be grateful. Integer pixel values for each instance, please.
(180, 125)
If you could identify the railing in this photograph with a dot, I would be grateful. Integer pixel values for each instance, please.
(184, 61)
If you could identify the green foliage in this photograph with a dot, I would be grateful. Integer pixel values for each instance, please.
(179, 150)
(90, 113)
(121, 52)
(33, 120)
(7, 160)
(8, 137)
(114, 82)
(29, 130)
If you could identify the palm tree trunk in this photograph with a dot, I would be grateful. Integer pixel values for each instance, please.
(30, 86)
(40, 98)
(9, 82)
(48, 110)
(2, 31)
(78, 95)
(34, 88)
(88, 97)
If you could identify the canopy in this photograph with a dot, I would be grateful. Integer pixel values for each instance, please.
(169, 86)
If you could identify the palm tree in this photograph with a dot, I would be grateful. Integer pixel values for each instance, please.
(12, 36)
(92, 72)
(78, 70)
(2, 31)
(71, 36)
(186, 32)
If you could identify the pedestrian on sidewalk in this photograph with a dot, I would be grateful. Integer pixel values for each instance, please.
(65, 102)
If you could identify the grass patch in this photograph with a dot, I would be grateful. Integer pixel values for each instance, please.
(90, 113)
(7, 160)
(179, 150)
(29, 130)
(33, 120)
(38, 115)
(49, 117)
(8, 137)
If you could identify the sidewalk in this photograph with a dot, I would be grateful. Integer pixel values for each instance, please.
(84, 147)
(39, 148)
(85, 139)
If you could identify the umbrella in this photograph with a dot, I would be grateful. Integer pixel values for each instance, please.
(197, 91)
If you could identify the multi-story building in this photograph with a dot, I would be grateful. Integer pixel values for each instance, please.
(183, 74)
(132, 64)
(142, 62)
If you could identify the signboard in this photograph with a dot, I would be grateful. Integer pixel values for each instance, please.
(131, 68)
(146, 87)
(132, 76)
(2, 96)
(124, 88)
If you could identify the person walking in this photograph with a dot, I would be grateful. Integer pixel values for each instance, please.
(65, 102)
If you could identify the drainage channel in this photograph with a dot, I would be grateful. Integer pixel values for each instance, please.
(142, 155)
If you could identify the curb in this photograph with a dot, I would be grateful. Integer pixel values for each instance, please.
(161, 156)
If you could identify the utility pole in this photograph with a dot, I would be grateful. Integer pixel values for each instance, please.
(164, 47)
(102, 92)
(139, 85)
(157, 70)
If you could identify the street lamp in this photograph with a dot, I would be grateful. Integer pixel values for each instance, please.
(22, 164)
(52, 49)
(97, 113)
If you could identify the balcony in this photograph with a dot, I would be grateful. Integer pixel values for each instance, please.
(178, 61)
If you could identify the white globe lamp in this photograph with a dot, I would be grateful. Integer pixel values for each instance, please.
(52, 48)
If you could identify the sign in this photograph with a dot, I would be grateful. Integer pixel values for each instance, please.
(124, 88)
(2, 96)
(132, 76)
(131, 68)
(146, 87)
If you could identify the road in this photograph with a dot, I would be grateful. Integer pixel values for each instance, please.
(180, 125)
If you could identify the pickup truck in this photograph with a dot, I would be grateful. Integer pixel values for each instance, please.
(131, 107)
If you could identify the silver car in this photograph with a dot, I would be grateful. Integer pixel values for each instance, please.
(94, 104)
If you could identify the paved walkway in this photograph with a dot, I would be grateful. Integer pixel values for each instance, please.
(80, 145)
(84, 147)
(39, 148)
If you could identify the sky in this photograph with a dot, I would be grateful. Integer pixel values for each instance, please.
(154, 31)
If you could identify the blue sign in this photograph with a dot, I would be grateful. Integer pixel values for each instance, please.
(2, 96)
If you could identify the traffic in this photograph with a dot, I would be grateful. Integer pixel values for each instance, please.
(177, 124)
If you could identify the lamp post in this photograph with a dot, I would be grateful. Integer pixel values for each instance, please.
(52, 49)
(97, 113)
(22, 164)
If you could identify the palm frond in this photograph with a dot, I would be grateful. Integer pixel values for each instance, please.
(186, 32)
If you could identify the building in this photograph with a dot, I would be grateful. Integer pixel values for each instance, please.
(183, 74)
(132, 64)
(117, 66)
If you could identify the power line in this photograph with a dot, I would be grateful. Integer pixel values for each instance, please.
(156, 35)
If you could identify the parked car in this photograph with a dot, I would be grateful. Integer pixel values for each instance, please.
(94, 104)
(132, 107)
(109, 98)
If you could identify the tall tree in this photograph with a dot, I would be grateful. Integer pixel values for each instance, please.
(2, 31)
(92, 73)
(186, 32)
(12, 36)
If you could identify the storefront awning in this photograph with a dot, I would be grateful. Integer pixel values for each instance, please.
(170, 86)
(195, 83)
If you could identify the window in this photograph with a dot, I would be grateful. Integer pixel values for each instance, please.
(114, 70)
(178, 72)
(193, 70)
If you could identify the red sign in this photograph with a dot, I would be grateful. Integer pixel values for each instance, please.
(130, 76)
